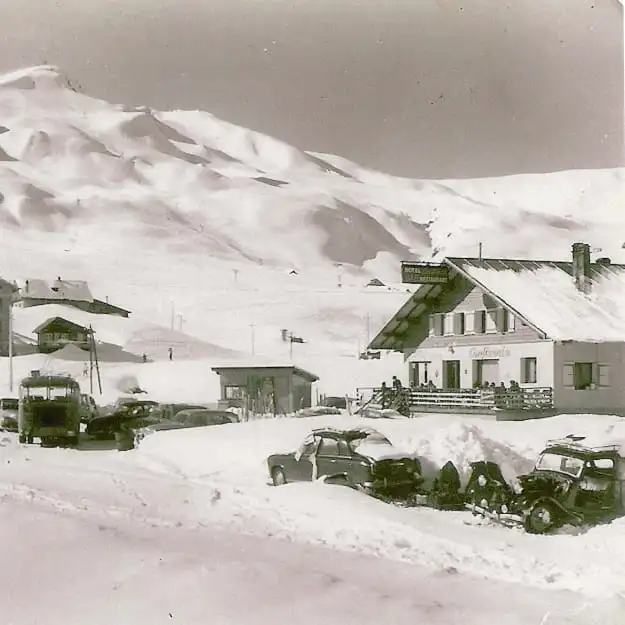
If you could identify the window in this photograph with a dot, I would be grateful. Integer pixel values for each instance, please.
(437, 325)
(511, 322)
(528, 370)
(501, 320)
(580, 375)
(479, 322)
(491, 320)
(328, 447)
(459, 323)
(343, 449)
(448, 324)
(233, 392)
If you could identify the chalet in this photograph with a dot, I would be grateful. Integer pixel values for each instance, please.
(550, 335)
(278, 389)
(56, 333)
(76, 293)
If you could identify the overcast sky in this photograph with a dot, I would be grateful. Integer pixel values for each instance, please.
(422, 88)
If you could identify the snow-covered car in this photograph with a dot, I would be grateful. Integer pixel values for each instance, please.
(377, 412)
(571, 484)
(362, 458)
(317, 411)
(9, 408)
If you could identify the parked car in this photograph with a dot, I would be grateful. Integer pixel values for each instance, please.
(199, 417)
(362, 458)
(128, 412)
(570, 484)
(9, 408)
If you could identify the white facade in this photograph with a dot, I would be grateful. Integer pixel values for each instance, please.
(499, 363)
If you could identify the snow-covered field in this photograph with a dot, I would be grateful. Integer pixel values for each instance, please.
(193, 508)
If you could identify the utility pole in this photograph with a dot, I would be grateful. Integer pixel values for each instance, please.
(480, 251)
(180, 321)
(11, 344)
(252, 326)
(368, 329)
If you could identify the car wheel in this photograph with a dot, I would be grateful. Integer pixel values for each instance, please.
(541, 518)
(278, 477)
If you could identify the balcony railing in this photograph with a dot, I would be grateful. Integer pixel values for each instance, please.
(535, 399)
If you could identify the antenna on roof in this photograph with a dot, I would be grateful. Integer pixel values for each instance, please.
(479, 252)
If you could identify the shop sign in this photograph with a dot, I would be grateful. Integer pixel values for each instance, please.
(424, 273)
(488, 353)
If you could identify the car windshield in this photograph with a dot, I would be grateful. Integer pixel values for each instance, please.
(570, 465)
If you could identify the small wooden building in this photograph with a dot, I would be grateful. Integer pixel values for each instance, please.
(56, 333)
(281, 389)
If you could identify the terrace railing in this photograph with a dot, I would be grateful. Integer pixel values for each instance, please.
(535, 399)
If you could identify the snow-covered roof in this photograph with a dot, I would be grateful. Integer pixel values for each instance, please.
(75, 290)
(544, 294)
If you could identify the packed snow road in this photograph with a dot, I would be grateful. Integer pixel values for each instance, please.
(177, 532)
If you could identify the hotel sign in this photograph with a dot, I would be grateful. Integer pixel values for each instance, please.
(424, 273)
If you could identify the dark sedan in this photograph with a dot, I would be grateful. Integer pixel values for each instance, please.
(128, 415)
(203, 416)
(360, 457)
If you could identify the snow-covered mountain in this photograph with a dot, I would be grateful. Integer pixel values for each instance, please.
(236, 227)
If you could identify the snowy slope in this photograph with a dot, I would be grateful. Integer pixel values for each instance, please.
(160, 210)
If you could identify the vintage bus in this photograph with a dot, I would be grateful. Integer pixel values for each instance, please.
(49, 409)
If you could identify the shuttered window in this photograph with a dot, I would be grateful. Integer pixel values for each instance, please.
(528, 370)
(437, 324)
(511, 322)
(459, 323)
(491, 320)
(585, 375)
(479, 322)
(501, 320)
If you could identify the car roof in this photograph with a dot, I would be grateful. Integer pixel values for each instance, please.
(350, 433)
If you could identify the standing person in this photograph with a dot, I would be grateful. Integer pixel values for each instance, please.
(145, 358)
(171, 353)
(384, 393)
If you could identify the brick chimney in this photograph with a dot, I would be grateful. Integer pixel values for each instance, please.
(581, 266)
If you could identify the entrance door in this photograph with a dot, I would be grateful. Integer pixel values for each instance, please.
(485, 371)
(451, 374)
(419, 373)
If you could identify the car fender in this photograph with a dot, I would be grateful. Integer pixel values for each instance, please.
(566, 514)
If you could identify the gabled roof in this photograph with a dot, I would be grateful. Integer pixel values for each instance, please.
(63, 321)
(541, 293)
(75, 290)
(296, 370)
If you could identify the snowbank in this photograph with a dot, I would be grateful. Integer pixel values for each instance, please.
(231, 459)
